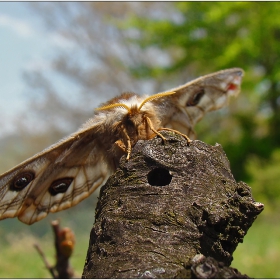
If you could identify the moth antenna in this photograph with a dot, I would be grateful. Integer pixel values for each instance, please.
(159, 95)
(120, 105)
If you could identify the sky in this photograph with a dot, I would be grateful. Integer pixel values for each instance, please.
(25, 45)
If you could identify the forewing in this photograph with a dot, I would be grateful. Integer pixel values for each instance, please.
(194, 99)
(55, 179)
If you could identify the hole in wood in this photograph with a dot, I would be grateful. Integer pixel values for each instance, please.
(159, 177)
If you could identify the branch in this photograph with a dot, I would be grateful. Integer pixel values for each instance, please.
(47, 265)
(64, 245)
(164, 206)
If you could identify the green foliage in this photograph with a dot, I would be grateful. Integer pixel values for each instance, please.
(202, 37)
(258, 256)
(19, 259)
(262, 240)
(265, 179)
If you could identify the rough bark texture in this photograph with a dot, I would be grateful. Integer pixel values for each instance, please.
(164, 206)
(208, 268)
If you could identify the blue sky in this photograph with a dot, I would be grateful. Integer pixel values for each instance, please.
(25, 45)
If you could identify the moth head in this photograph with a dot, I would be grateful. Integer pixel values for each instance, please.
(134, 108)
(136, 113)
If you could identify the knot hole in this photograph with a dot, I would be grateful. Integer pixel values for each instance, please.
(159, 177)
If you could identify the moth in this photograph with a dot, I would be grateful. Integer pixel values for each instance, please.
(67, 172)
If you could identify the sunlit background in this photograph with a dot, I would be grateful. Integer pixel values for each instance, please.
(59, 61)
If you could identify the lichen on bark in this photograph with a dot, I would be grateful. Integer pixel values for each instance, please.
(166, 204)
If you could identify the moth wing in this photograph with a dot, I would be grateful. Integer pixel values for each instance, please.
(194, 99)
(57, 178)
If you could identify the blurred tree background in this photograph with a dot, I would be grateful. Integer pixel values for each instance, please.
(148, 47)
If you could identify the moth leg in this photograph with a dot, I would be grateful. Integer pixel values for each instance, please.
(121, 145)
(149, 122)
(128, 148)
(178, 132)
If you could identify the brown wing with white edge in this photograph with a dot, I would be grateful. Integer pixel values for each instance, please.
(182, 110)
(55, 179)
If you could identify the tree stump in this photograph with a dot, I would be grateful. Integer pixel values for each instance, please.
(166, 204)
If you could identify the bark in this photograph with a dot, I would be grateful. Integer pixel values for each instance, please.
(166, 204)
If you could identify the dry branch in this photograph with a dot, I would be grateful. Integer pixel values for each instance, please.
(164, 206)
(64, 241)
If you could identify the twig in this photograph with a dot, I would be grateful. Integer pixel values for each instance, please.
(64, 245)
(47, 265)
